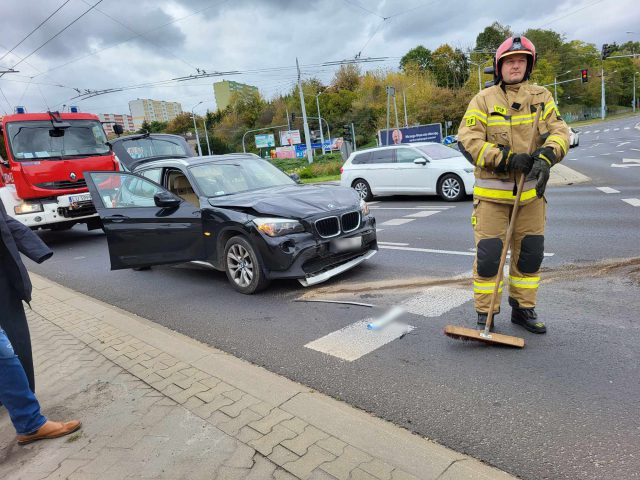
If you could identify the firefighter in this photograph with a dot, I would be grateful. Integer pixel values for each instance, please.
(494, 135)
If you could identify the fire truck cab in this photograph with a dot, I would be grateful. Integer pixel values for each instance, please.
(45, 154)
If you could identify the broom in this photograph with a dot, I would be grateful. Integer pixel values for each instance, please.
(486, 336)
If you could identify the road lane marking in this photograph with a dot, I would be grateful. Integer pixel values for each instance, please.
(606, 130)
(394, 244)
(436, 301)
(588, 131)
(635, 149)
(422, 214)
(411, 208)
(445, 252)
(356, 340)
(621, 144)
(627, 128)
(596, 131)
(634, 202)
(616, 129)
(608, 190)
(397, 221)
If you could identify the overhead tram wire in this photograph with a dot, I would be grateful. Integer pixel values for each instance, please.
(134, 37)
(34, 30)
(569, 14)
(141, 36)
(59, 33)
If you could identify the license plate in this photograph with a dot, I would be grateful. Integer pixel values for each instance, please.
(339, 245)
(85, 197)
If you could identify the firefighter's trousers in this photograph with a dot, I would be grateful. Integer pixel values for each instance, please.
(490, 222)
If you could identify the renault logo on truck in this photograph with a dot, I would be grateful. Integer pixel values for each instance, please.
(73, 176)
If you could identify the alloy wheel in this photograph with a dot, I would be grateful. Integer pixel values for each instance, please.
(240, 265)
(362, 190)
(451, 187)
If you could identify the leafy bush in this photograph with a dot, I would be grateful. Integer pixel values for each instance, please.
(321, 169)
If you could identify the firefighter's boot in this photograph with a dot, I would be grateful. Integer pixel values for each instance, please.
(482, 320)
(528, 318)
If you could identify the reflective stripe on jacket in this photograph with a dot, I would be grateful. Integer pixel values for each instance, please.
(499, 121)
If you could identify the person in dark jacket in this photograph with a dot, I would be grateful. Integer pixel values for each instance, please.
(15, 285)
(17, 383)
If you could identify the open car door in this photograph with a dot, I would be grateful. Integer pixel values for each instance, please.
(145, 224)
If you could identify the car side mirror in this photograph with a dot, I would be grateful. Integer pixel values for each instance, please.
(166, 200)
(5, 163)
(295, 177)
(118, 129)
(420, 161)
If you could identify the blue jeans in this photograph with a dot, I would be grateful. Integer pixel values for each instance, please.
(15, 393)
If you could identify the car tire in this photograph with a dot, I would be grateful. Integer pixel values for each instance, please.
(363, 189)
(451, 188)
(242, 266)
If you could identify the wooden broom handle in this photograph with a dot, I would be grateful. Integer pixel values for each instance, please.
(512, 221)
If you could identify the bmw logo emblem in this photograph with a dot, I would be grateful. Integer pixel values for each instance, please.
(331, 205)
(73, 176)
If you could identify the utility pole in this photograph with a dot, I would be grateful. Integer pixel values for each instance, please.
(320, 122)
(389, 89)
(634, 91)
(602, 99)
(307, 136)
(395, 109)
(288, 118)
(353, 137)
(404, 102)
(204, 124)
(196, 129)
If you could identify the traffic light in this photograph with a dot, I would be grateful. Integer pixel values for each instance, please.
(293, 117)
(607, 49)
(346, 133)
(585, 75)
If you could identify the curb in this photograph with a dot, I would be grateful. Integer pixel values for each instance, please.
(303, 431)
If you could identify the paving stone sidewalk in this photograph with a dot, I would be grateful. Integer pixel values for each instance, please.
(157, 404)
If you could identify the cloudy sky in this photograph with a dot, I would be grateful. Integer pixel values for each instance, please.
(122, 43)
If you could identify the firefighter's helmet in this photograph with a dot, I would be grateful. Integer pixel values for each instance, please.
(511, 46)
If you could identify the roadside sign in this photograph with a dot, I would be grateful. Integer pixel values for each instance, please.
(290, 137)
(431, 132)
(265, 140)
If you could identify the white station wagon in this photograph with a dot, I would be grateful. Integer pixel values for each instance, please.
(409, 169)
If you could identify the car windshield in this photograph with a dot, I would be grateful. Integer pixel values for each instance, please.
(34, 140)
(435, 151)
(216, 179)
(149, 147)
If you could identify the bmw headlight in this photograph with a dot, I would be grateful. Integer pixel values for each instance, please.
(364, 208)
(276, 227)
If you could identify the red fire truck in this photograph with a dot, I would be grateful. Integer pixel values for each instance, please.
(42, 184)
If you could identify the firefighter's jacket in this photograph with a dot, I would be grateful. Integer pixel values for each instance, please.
(497, 124)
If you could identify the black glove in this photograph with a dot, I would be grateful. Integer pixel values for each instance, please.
(543, 159)
(520, 162)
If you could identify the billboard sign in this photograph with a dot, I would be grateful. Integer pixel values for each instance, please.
(265, 140)
(431, 132)
(290, 137)
(285, 152)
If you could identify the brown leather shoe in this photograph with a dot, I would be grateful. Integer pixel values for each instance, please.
(50, 430)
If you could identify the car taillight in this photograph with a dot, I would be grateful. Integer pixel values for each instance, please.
(341, 170)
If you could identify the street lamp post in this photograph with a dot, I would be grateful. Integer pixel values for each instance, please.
(404, 102)
(320, 122)
(555, 85)
(196, 128)
(204, 124)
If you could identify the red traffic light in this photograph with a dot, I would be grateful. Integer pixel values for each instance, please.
(585, 75)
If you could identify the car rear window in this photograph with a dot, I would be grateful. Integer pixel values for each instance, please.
(361, 158)
(436, 151)
(382, 156)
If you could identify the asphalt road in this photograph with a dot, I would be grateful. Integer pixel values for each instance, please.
(564, 407)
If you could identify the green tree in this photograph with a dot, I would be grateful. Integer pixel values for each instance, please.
(181, 124)
(491, 37)
(419, 57)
